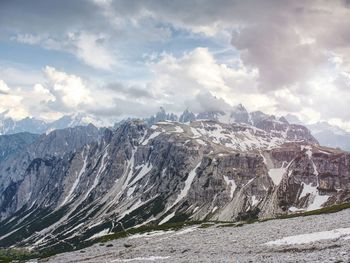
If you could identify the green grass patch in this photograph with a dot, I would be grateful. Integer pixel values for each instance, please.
(324, 210)
(145, 229)
(206, 225)
(20, 255)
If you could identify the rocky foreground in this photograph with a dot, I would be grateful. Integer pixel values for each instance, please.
(319, 238)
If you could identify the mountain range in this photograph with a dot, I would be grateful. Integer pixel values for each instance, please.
(32, 125)
(72, 185)
(327, 134)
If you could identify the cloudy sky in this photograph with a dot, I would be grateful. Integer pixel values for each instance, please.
(113, 59)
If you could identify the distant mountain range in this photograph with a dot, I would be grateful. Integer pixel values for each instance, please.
(36, 126)
(326, 134)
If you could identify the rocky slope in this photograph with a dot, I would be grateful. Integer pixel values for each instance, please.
(47, 148)
(60, 193)
(321, 238)
(14, 143)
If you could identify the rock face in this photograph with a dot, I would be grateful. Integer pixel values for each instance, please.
(240, 114)
(10, 144)
(74, 187)
(161, 116)
(187, 116)
(47, 148)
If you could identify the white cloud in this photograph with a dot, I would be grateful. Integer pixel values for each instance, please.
(90, 49)
(18, 75)
(69, 90)
(3, 87)
(179, 82)
(12, 101)
(287, 100)
(27, 39)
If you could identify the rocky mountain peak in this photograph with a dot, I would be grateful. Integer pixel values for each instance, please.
(283, 119)
(161, 115)
(187, 116)
(240, 114)
(211, 115)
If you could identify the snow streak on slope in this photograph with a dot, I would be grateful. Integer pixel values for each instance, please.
(76, 182)
(142, 259)
(183, 192)
(317, 200)
(232, 184)
(276, 174)
(99, 172)
(167, 218)
(152, 136)
(188, 184)
(145, 169)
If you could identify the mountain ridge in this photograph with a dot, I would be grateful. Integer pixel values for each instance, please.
(169, 171)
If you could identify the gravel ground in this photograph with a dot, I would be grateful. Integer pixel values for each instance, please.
(226, 244)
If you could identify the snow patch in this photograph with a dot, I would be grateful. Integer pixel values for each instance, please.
(178, 129)
(295, 209)
(318, 200)
(99, 172)
(308, 149)
(185, 231)
(254, 200)
(201, 142)
(232, 184)
(276, 174)
(312, 237)
(167, 218)
(188, 184)
(145, 169)
(152, 136)
(185, 190)
(195, 133)
(142, 259)
(136, 205)
(99, 234)
(150, 234)
(76, 182)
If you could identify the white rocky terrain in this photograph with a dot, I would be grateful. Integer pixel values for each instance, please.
(319, 238)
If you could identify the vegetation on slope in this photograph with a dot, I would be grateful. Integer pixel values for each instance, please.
(8, 255)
